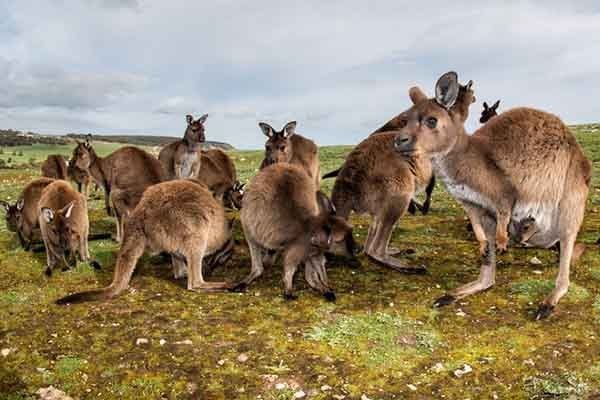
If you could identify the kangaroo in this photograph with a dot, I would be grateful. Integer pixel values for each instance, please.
(80, 176)
(182, 159)
(126, 169)
(219, 174)
(375, 181)
(522, 163)
(55, 167)
(179, 217)
(24, 214)
(488, 112)
(283, 212)
(64, 224)
(288, 146)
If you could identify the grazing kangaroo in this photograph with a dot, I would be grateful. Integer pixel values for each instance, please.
(288, 146)
(55, 167)
(522, 164)
(219, 174)
(375, 181)
(80, 176)
(23, 216)
(181, 159)
(178, 217)
(128, 169)
(283, 212)
(488, 112)
(64, 224)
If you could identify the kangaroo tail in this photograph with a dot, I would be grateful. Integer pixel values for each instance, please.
(331, 174)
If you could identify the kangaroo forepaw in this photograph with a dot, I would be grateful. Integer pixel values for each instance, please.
(239, 288)
(290, 296)
(445, 300)
(544, 311)
(48, 272)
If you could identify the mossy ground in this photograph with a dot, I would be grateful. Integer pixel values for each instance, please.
(381, 338)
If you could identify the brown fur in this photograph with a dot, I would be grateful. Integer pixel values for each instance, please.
(282, 212)
(523, 163)
(182, 158)
(375, 181)
(126, 169)
(81, 177)
(219, 175)
(288, 146)
(64, 224)
(488, 112)
(55, 167)
(22, 217)
(178, 217)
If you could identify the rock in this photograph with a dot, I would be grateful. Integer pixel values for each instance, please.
(242, 358)
(186, 342)
(51, 393)
(439, 367)
(529, 361)
(535, 261)
(461, 313)
(5, 352)
(338, 396)
(141, 341)
(325, 388)
(299, 394)
(221, 362)
(412, 387)
(162, 342)
(466, 369)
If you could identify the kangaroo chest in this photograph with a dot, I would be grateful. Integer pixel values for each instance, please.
(187, 161)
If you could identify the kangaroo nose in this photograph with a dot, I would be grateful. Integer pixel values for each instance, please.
(402, 141)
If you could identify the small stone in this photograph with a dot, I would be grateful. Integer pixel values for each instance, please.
(537, 272)
(338, 396)
(51, 393)
(439, 367)
(412, 387)
(5, 352)
(325, 388)
(186, 342)
(466, 369)
(529, 361)
(535, 261)
(141, 341)
(252, 332)
(162, 342)
(461, 313)
(299, 394)
(280, 386)
(221, 362)
(242, 358)
(40, 369)
(364, 397)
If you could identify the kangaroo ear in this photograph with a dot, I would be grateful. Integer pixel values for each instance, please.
(202, 119)
(5, 205)
(446, 89)
(339, 229)
(20, 204)
(289, 129)
(325, 205)
(469, 84)
(485, 106)
(266, 129)
(495, 105)
(189, 119)
(416, 95)
(47, 214)
(68, 209)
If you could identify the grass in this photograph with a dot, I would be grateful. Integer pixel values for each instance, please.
(379, 337)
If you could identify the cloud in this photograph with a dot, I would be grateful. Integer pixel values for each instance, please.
(339, 68)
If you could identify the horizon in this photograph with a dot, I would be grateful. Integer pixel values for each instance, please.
(341, 71)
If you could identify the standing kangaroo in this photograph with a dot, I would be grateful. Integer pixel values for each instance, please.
(55, 167)
(126, 170)
(288, 146)
(282, 211)
(23, 216)
(522, 164)
(181, 159)
(178, 217)
(80, 176)
(64, 224)
(219, 174)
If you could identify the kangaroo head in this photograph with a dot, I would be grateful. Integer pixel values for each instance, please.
(194, 133)
(278, 147)
(488, 112)
(61, 228)
(82, 155)
(432, 126)
(235, 195)
(330, 232)
(12, 214)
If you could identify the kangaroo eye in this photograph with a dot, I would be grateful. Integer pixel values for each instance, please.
(431, 122)
(281, 148)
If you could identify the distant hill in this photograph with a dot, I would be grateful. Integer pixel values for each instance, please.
(9, 137)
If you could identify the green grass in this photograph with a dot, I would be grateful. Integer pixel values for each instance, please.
(380, 336)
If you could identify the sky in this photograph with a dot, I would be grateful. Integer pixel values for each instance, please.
(340, 69)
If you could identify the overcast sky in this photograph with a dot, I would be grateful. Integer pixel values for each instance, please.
(340, 69)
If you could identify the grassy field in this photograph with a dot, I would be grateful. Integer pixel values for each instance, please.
(380, 340)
